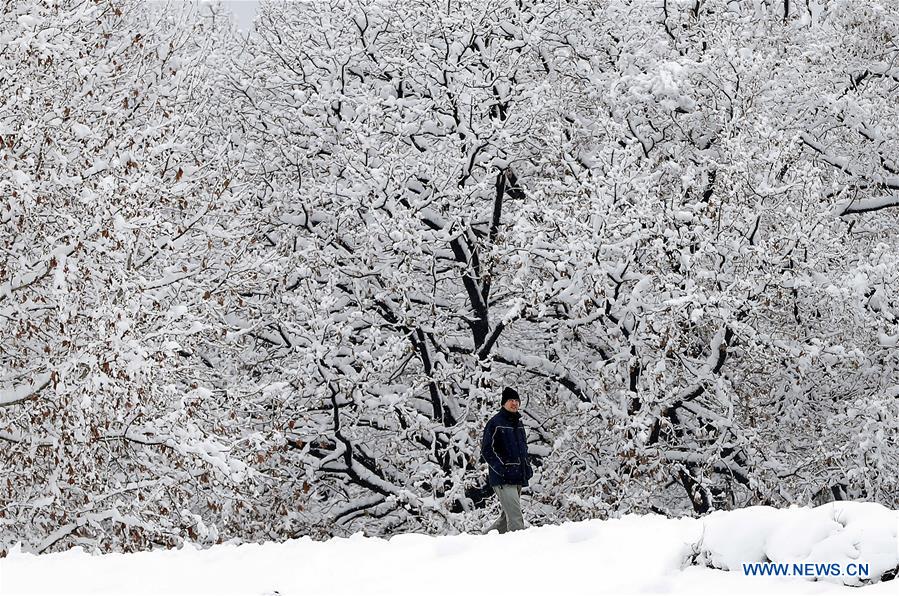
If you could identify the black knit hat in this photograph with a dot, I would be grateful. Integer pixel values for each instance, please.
(509, 393)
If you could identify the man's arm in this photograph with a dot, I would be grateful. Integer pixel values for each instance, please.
(528, 469)
(489, 454)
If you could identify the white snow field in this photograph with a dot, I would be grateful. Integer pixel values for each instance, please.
(634, 554)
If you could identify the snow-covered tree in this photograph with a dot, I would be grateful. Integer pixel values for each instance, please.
(118, 240)
(604, 205)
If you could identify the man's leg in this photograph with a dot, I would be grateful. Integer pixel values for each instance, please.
(510, 500)
(500, 523)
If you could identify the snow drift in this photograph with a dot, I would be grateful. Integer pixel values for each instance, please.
(842, 532)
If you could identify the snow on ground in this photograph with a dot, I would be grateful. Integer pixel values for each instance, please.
(634, 554)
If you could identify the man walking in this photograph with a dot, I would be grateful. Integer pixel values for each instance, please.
(505, 449)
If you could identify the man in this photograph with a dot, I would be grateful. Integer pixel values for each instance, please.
(505, 449)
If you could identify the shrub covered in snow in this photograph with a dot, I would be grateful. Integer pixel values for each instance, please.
(842, 533)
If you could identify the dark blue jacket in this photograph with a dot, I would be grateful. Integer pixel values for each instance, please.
(505, 449)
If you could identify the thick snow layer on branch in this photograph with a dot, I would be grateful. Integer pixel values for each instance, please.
(634, 554)
(21, 392)
(865, 205)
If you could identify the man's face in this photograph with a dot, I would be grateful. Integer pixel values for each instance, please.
(511, 405)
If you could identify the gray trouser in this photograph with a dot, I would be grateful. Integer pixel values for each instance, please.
(510, 519)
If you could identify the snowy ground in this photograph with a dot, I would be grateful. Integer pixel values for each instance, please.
(634, 554)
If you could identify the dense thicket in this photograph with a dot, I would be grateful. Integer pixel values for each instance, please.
(261, 287)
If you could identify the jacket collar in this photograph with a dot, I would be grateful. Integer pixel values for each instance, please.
(511, 416)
